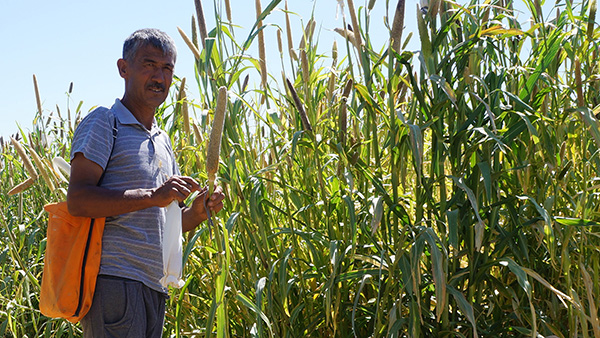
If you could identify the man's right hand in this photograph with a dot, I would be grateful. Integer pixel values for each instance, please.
(175, 188)
(86, 199)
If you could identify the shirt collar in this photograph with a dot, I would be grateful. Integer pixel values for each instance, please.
(126, 117)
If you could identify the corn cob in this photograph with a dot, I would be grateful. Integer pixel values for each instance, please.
(355, 25)
(262, 55)
(194, 32)
(305, 70)
(201, 22)
(37, 95)
(184, 109)
(26, 162)
(190, 44)
(344, 112)
(197, 133)
(331, 85)
(308, 32)
(214, 143)
(332, 76)
(334, 54)
(228, 10)
(305, 122)
(279, 42)
(397, 26)
(22, 186)
(245, 83)
(348, 34)
(38, 163)
(288, 29)
(56, 177)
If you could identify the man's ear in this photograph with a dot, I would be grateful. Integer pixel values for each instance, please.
(122, 66)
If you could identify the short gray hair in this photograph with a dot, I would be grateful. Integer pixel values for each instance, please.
(148, 36)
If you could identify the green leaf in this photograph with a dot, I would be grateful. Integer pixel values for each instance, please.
(486, 173)
(252, 307)
(442, 83)
(473, 200)
(416, 142)
(575, 221)
(437, 265)
(464, 306)
(519, 272)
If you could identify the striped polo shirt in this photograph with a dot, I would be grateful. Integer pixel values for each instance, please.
(142, 158)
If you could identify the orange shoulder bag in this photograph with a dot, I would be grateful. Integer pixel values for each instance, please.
(72, 260)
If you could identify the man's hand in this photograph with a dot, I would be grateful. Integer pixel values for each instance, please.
(85, 198)
(196, 214)
(175, 188)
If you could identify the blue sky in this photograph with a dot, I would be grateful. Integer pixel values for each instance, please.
(64, 41)
(80, 41)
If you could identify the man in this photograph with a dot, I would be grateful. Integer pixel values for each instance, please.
(141, 177)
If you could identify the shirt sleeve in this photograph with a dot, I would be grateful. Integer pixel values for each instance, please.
(94, 137)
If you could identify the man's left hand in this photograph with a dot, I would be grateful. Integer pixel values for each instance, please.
(196, 214)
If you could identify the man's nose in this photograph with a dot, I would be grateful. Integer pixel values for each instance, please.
(159, 75)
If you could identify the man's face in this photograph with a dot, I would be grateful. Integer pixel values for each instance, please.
(147, 77)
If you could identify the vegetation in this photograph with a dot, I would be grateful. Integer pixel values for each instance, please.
(371, 192)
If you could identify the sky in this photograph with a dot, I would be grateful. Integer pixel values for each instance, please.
(79, 42)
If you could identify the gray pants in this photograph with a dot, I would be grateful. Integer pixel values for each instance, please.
(124, 308)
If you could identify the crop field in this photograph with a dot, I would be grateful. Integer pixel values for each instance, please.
(371, 191)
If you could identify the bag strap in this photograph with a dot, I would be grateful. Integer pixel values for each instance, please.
(115, 130)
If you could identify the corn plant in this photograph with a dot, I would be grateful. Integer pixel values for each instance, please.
(371, 190)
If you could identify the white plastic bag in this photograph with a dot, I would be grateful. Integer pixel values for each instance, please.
(172, 248)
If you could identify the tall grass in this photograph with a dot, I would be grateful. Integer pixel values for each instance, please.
(448, 192)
